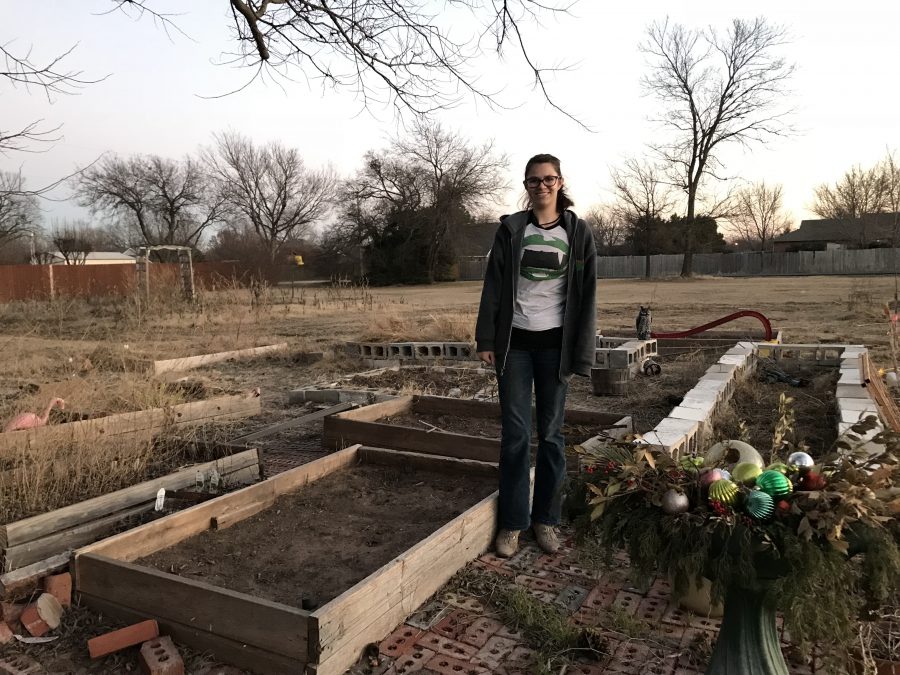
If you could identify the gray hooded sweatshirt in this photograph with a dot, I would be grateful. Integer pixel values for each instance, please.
(494, 326)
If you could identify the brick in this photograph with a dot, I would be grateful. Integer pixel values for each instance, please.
(582, 668)
(651, 610)
(414, 661)
(400, 641)
(570, 598)
(447, 665)
(463, 601)
(60, 587)
(33, 622)
(480, 631)
(539, 584)
(495, 651)
(20, 664)
(441, 644)
(124, 637)
(627, 602)
(160, 657)
(11, 612)
(6, 634)
(454, 624)
(599, 598)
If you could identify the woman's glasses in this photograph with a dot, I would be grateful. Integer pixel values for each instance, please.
(534, 181)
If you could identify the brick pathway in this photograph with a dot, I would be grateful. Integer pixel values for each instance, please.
(455, 634)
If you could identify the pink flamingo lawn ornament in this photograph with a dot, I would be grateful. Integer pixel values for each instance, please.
(28, 420)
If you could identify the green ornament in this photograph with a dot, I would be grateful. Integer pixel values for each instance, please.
(691, 464)
(724, 491)
(759, 505)
(774, 484)
(780, 467)
(745, 472)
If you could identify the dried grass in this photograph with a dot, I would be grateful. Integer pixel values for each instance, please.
(448, 327)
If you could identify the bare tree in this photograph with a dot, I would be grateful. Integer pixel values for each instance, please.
(407, 53)
(716, 89)
(21, 69)
(460, 176)
(270, 186)
(643, 198)
(72, 243)
(165, 201)
(757, 214)
(858, 192)
(609, 226)
(19, 215)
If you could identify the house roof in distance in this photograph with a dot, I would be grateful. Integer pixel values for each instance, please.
(877, 226)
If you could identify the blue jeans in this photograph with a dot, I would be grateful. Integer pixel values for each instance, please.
(540, 367)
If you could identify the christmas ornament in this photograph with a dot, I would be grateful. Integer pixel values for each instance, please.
(707, 478)
(780, 467)
(800, 461)
(691, 464)
(725, 473)
(811, 481)
(745, 472)
(784, 507)
(726, 449)
(774, 484)
(723, 491)
(759, 505)
(674, 502)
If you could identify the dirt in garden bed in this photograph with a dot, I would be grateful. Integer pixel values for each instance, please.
(476, 426)
(322, 539)
(755, 402)
(458, 382)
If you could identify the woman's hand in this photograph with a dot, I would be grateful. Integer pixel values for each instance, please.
(488, 358)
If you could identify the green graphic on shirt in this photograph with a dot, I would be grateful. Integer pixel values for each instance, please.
(539, 264)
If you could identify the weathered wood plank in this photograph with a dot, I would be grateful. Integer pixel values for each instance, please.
(26, 578)
(340, 431)
(223, 649)
(369, 413)
(415, 460)
(45, 524)
(189, 362)
(232, 516)
(281, 426)
(262, 623)
(368, 612)
(172, 529)
(226, 407)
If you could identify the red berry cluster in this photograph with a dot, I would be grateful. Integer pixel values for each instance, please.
(609, 467)
(720, 508)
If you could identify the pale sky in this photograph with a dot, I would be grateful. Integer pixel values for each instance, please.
(845, 95)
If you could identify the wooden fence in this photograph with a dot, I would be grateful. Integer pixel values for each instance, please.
(800, 263)
(45, 282)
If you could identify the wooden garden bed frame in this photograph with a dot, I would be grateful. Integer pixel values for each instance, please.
(153, 420)
(190, 362)
(268, 636)
(32, 540)
(362, 426)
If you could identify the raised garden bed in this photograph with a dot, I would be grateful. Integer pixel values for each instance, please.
(279, 637)
(397, 424)
(190, 362)
(33, 539)
(148, 421)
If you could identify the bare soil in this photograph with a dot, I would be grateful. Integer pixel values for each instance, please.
(319, 541)
(459, 382)
(755, 403)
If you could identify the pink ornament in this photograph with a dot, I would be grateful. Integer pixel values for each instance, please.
(710, 477)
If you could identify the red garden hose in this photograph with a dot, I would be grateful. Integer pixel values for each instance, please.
(718, 322)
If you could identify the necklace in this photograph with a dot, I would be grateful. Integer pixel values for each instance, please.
(552, 222)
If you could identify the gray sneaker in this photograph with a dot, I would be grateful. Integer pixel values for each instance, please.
(507, 543)
(546, 537)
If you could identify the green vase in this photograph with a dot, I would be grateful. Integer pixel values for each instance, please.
(748, 637)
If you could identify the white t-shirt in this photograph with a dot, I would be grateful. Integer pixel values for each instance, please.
(543, 278)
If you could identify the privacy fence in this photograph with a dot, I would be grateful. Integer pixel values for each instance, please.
(838, 261)
(44, 282)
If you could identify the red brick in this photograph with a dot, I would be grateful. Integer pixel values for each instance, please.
(20, 665)
(160, 657)
(480, 631)
(627, 602)
(122, 638)
(441, 644)
(630, 657)
(6, 634)
(10, 612)
(447, 665)
(538, 584)
(400, 641)
(487, 567)
(60, 587)
(706, 623)
(454, 624)
(659, 666)
(414, 661)
(661, 588)
(582, 668)
(32, 621)
(600, 597)
(651, 610)
(495, 651)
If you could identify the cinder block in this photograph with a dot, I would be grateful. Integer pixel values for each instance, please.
(365, 350)
(618, 358)
(851, 391)
(601, 358)
(120, 639)
(461, 351)
(352, 349)
(428, 350)
(60, 587)
(406, 350)
(866, 404)
(850, 376)
(160, 657)
(6, 634)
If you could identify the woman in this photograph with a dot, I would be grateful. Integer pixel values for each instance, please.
(537, 326)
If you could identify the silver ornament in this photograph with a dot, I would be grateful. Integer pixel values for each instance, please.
(800, 461)
(674, 502)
